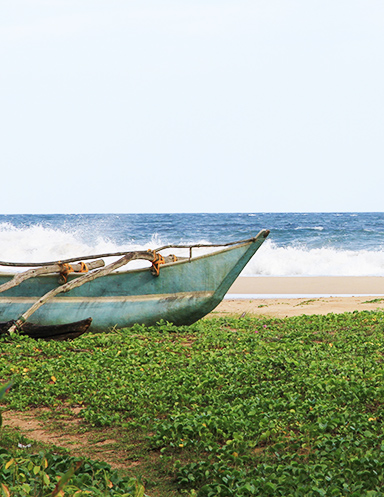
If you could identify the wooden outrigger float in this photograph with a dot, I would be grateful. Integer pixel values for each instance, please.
(178, 290)
(54, 332)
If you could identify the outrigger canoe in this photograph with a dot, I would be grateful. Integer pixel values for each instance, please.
(177, 290)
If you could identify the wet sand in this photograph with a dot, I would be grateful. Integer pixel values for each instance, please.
(293, 296)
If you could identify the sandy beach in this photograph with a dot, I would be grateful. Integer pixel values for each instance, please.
(293, 296)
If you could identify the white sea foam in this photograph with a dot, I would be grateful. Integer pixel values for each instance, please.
(39, 244)
(314, 228)
(271, 260)
(42, 244)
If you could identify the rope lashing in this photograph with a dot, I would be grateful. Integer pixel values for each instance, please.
(83, 268)
(157, 261)
(64, 272)
(67, 268)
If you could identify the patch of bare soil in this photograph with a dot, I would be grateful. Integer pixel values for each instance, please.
(64, 431)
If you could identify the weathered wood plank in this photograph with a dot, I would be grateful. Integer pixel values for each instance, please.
(56, 268)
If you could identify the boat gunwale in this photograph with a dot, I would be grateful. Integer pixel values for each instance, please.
(188, 260)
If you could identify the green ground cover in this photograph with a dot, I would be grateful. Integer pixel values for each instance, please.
(231, 407)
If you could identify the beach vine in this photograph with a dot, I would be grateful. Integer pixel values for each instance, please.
(231, 407)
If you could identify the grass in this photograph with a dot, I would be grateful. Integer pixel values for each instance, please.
(306, 302)
(231, 407)
(373, 301)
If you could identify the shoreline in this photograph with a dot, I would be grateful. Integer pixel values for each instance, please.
(307, 285)
(287, 296)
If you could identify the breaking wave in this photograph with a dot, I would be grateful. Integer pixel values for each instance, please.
(42, 244)
(272, 260)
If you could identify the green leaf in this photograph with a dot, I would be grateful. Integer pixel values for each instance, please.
(65, 478)
(4, 389)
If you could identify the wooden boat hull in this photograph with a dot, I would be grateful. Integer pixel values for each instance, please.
(184, 292)
(53, 332)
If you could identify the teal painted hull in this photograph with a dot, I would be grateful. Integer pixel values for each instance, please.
(184, 292)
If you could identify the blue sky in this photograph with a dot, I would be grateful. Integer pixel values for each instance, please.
(191, 106)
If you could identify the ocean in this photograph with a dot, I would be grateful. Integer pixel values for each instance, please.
(300, 244)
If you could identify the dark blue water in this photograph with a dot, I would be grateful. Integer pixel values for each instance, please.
(303, 243)
(352, 231)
